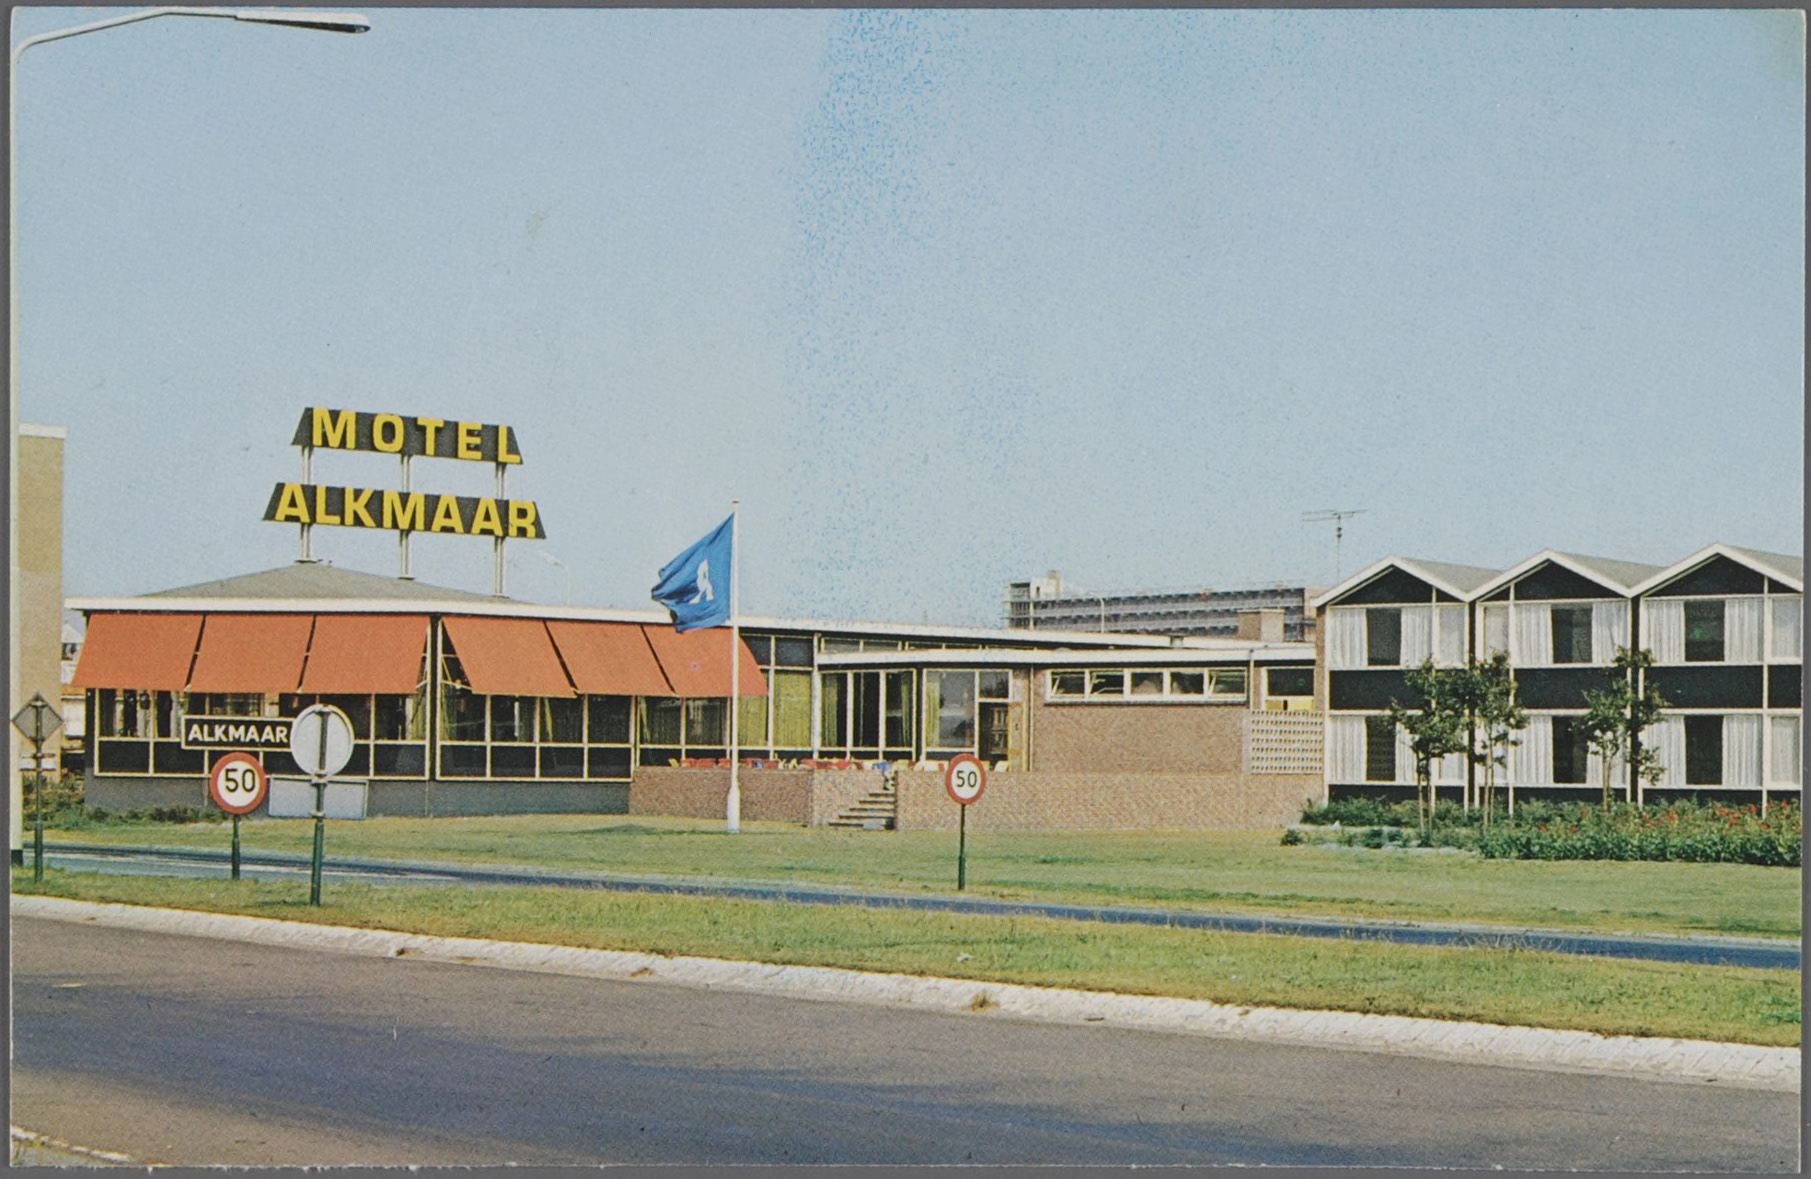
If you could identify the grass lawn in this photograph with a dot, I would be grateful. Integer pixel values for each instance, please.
(1499, 985)
(1234, 872)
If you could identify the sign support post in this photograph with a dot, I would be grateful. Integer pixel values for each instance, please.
(35, 722)
(965, 777)
(238, 786)
(320, 739)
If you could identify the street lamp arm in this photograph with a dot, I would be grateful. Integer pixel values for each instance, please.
(331, 22)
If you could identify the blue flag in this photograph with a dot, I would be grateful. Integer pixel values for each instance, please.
(695, 585)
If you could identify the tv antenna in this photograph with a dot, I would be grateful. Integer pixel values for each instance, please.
(1338, 520)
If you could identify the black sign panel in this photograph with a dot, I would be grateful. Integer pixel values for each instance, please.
(235, 732)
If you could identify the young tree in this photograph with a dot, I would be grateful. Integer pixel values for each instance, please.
(1497, 717)
(1617, 715)
(1436, 728)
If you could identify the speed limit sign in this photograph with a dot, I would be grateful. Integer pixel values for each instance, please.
(237, 783)
(965, 777)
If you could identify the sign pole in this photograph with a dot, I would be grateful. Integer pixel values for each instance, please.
(238, 786)
(235, 847)
(320, 835)
(321, 741)
(36, 721)
(37, 823)
(962, 850)
(965, 778)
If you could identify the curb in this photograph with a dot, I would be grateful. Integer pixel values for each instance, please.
(1650, 1058)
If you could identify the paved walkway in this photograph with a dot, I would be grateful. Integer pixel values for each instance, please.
(1474, 1043)
(1702, 950)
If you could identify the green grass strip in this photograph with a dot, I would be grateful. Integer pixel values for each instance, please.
(1243, 872)
(1494, 985)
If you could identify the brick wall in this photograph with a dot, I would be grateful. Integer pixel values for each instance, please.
(806, 797)
(1153, 738)
(1049, 801)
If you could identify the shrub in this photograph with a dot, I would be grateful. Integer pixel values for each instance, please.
(1683, 831)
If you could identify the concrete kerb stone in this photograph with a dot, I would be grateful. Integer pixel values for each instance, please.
(1653, 1058)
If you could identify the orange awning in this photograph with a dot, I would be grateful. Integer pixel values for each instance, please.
(697, 662)
(148, 652)
(508, 656)
(360, 654)
(609, 658)
(251, 653)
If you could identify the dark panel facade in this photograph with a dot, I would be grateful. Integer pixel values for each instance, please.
(1710, 686)
(1354, 690)
(1719, 575)
(1553, 582)
(1786, 685)
(1558, 687)
(1393, 588)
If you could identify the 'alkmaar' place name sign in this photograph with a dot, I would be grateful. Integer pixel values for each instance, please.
(404, 511)
(235, 732)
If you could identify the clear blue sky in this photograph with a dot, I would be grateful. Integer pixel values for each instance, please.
(946, 298)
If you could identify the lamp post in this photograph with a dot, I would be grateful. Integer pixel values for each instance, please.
(547, 556)
(326, 22)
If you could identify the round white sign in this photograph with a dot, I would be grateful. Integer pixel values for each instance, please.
(237, 783)
(320, 739)
(965, 778)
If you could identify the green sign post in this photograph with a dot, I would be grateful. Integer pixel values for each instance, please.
(965, 777)
(36, 722)
(320, 739)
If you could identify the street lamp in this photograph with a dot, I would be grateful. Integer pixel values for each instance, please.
(326, 22)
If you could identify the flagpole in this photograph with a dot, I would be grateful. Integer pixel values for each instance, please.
(733, 822)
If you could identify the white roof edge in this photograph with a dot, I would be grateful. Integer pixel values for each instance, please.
(1719, 549)
(1131, 656)
(511, 609)
(1406, 564)
(28, 430)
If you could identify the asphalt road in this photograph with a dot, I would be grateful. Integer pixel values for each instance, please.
(189, 1052)
(1760, 953)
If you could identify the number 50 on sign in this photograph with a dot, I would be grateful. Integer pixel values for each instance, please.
(238, 783)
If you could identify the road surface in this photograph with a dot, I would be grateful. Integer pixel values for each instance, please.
(189, 1052)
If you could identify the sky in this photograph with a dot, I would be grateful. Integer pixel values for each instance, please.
(945, 298)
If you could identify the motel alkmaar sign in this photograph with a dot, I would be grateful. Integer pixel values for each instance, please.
(235, 732)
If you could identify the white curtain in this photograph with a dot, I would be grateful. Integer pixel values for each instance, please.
(1346, 748)
(1345, 638)
(1666, 737)
(1417, 635)
(1742, 630)
(1531, 762)
(1533, 634)
(1741, 751)
(1449, 635)
(1450, 770)
(1496, 630)
(1609, 630)
(1619, 772)
(1663, 629)
(1787, 769)
(1405, 756)
(1788, 629)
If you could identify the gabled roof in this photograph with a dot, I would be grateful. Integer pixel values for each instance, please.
(315, 579)
(1461, 581)
(1620, 576)
(1778, 566)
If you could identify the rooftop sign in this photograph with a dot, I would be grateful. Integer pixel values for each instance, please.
(390, 433)
(306, 503)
